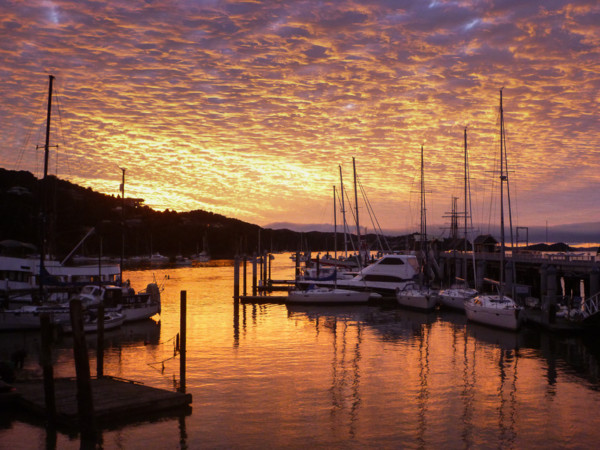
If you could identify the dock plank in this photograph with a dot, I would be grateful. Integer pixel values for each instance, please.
(114, 399)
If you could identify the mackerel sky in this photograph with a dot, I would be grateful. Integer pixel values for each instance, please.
(247, 108)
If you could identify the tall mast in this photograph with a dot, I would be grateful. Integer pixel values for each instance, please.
(423, 246)
(343, 213)
(44, 198)
(466, 211)
(502, 180)
(335, 236)
(122, 225)
(356, 207)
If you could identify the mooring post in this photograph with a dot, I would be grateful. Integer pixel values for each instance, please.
(550, 302)
(481, 266)
(270, 279)
(594, 281)
(85, 405)
(297, 264)
(183, 339)
(236, 279)
(254, 275)
(265, 278)
(48, 369)
(245, 274)
(318, 266)
(100, 342)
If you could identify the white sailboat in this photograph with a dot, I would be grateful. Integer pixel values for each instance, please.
(498, 310)
(456, 295)
(328, 295)
(420, 295)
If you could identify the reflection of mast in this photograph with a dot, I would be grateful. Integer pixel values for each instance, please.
(343, 369)
(423, 395)
(507, 432)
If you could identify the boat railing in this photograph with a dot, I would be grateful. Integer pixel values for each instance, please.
(591, 305)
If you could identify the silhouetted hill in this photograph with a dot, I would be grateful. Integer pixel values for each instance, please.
(73, 210)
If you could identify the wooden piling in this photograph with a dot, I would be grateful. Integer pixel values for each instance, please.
(85, 405)
(245, 274)
(182, 343)
(265, 283)
(100, 342)
(48, 369)
(254, 276)
(236, 279)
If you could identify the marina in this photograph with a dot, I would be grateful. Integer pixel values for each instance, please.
(278, 375)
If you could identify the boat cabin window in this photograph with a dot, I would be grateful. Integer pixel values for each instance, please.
(391, 262)
(384, 278)
(14, 275)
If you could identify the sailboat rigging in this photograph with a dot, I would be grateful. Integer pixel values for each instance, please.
(497, 310)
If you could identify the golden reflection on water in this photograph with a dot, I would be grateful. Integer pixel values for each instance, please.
(293, 376)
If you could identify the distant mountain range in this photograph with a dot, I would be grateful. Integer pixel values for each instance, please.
(572, 234)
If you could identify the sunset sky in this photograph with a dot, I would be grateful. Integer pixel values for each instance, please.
(246, 108)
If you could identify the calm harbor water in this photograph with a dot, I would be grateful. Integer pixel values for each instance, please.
(277, 376)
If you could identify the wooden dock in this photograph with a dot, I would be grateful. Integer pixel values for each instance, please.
(115, 401)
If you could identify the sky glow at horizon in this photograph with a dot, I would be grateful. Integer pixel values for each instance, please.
(246, 108)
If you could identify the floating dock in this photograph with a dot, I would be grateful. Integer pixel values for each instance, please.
(115, 401)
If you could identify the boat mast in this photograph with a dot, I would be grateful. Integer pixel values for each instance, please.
(423, 247)
(122, 225)
(334, 237)
(466, 213)
(502, 180)
(356, 207)
(343, 213)
(45, 189)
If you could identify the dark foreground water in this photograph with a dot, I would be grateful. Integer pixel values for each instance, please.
(273, 376)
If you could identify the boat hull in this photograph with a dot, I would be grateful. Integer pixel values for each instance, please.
(415, 299)
(328, 296)
(455, 298)
(506, 318)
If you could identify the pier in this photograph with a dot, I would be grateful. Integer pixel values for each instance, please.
(116, 401)
(88, 404)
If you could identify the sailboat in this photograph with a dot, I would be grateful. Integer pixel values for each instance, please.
(25, 277)
(420, 296)
(328, 295)
(455, 296)
(497, 310)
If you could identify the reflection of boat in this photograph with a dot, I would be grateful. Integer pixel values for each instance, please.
(112, 320)
(326, 295)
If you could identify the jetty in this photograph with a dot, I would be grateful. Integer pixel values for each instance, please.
(87, 404)
(115, 401)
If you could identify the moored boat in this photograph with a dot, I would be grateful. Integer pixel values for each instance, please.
(496, 310)
(417, 297)
(323, 295)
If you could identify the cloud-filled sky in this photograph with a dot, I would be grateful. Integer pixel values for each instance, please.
(248, 108)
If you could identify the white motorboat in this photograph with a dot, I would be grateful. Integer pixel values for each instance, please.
(19, 277)
(417, 297)
(384, 276)
(456, 296)
(112, 320)
(324, 295)
(495, 310)
(133, 306)
(28, 317)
